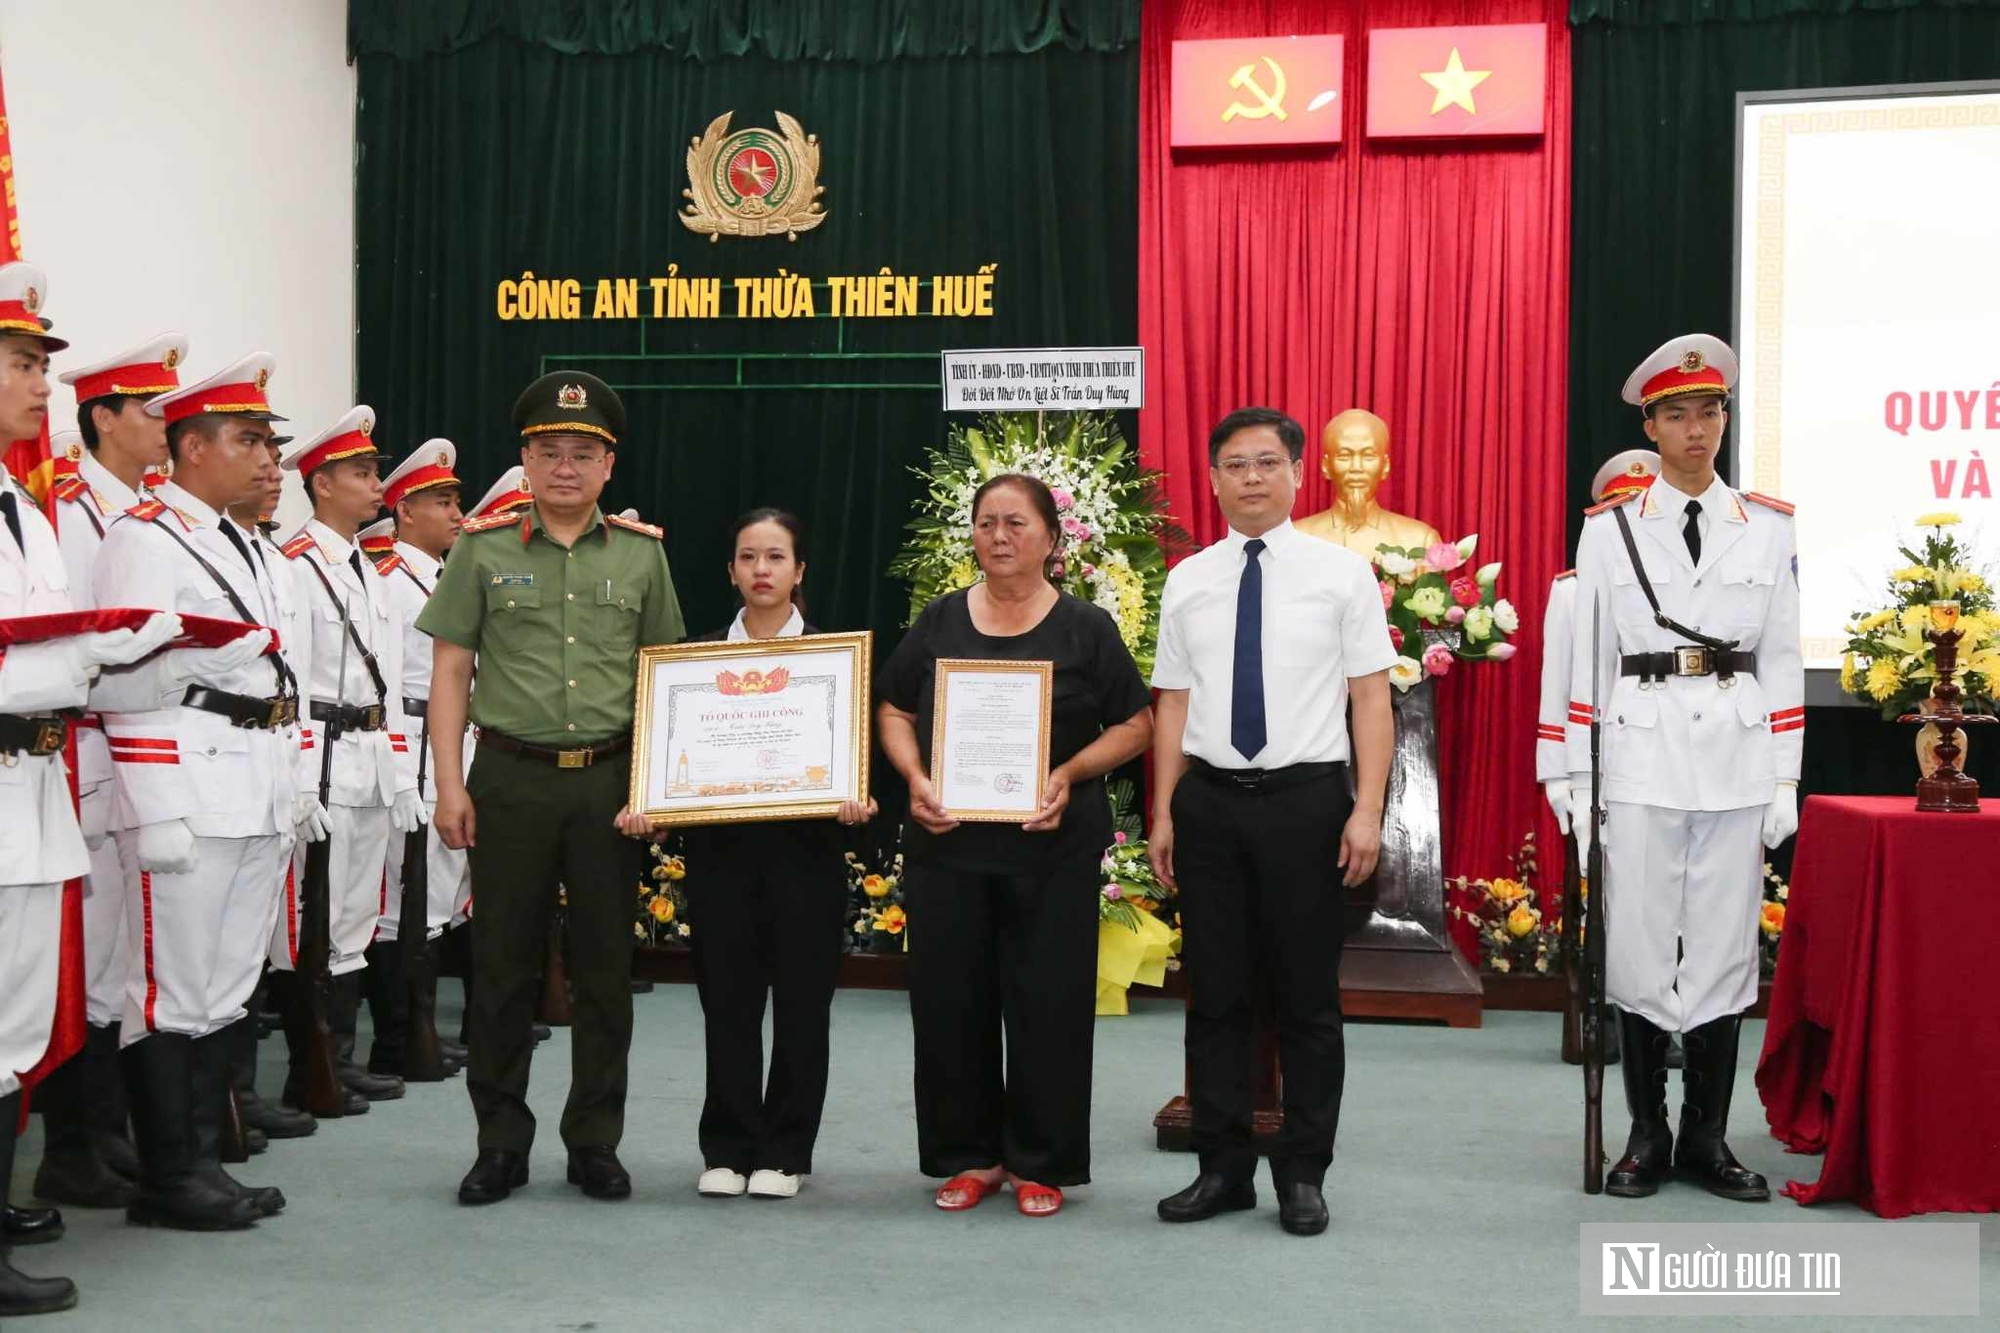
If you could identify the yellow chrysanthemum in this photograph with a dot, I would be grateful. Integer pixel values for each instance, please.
(1848, 673)
(1912, 574)
(1972, 582)
(1883, 679)
(1874, 622)
(1942, 519)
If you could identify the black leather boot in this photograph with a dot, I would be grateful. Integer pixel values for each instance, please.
(268, 1118)
(172, 1193)
(111, 1112)
(1701, 1155)
(343, 1014)
(72, 1171)
(1649, 1149)
(19, 1293)
(386, 988)
(212, 1106)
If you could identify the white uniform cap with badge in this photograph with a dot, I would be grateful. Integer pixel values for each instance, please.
(346, 438)
(236, 390)
(377, 539)
(509, 492)
(153, 367)
(428, 467)
(1631, 470)
(24, 287)
(1694, 363)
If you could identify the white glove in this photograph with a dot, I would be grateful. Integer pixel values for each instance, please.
(309, 818)
(1557, 790)
(119, 647)
(166, 848)
(93, 815)
(1781, 816)
(407, 814)
(209, 663)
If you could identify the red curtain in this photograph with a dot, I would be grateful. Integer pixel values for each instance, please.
(1427, 282)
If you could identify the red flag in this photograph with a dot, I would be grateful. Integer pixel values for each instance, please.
(1457, 82)
(1252, 92)
(31, 465)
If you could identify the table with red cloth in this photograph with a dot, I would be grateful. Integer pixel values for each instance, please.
(1882, 1049)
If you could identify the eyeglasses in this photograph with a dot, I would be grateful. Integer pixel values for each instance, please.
(548, 456)
(1264, 465)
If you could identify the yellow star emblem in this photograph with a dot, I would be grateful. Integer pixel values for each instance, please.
(1454, 84)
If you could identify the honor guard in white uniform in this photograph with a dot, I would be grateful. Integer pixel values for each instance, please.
(206, 800)
(422, 497)
(1701, 705)
(87, 1160)
(356, 653)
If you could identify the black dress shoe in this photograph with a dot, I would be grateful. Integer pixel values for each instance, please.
(24, 1295)
(495, 1174)
(1209, 1196)
(640, 987)
(543, 1032)
(1301, 1209)
(274, 1121)
(453, 1052)
(598, 1173)
(29, 1226)
(375, 1087)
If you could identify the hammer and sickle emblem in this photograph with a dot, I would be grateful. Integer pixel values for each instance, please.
(1268, 103)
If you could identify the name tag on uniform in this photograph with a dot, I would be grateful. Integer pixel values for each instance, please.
(513, 580)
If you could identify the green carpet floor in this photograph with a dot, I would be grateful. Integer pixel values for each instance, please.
(1455, 1202)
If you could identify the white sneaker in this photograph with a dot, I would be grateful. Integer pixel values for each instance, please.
(766, 1184)
(720, 1183)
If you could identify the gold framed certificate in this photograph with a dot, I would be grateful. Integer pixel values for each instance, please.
(751, 729)
(990, 738)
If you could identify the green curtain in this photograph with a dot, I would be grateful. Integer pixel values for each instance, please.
(1652, 219)
(775, 29)
(507, 155)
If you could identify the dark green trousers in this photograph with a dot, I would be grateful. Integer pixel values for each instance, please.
(537, 826)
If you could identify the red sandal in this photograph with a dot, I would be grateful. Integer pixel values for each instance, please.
(1027, 1190)
(975, 1188)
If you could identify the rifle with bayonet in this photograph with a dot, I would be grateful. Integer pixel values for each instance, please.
(324, 1095)
(1594, 1011)
(423, 1061)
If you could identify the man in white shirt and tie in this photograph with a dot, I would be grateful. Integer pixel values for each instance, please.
(1264, 639)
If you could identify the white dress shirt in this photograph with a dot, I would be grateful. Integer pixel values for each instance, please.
(1323, 624)
(794, 626)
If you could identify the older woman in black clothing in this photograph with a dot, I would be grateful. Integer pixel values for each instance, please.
(1003, 918)
(766, 915)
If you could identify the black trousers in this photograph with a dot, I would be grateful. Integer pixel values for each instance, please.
(1013, 955)
(537, 826)
(1260, 900)
(766, 910)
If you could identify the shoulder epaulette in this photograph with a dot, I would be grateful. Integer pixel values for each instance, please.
(1566, 574)
(148, 509)
(1771, 502)
(70, 488)
(388, 563)
(1623, 497)
(634, 525)
(487, 522)
(297, 546)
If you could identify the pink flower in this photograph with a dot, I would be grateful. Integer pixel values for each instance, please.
(1500, 652)
(1083, 532)
(1443, 557)
(1111, 891)
(1388, 595)
(1466, 592)
(1455, 616)
(1118, 838)
(1089, 571)
(1437, 660)
(1396, 638)
(1064, 500)
(1072, 527)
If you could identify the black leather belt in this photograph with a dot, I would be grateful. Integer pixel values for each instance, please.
(350, 717)
(244, 710)
(1688, 660)
(1263, 779)
(562, 756)
(415, 707)
(32, 735)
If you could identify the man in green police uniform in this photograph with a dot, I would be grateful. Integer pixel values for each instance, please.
(554, 602)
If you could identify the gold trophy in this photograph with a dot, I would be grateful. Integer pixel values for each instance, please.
(1947, 790)
(1354, 456)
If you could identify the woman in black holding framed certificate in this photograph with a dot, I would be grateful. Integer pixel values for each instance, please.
(1003, 917)
(766, 914)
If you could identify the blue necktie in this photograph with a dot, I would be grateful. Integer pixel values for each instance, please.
(1246, 688)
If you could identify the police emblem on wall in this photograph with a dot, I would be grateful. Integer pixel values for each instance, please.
(755, 182)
